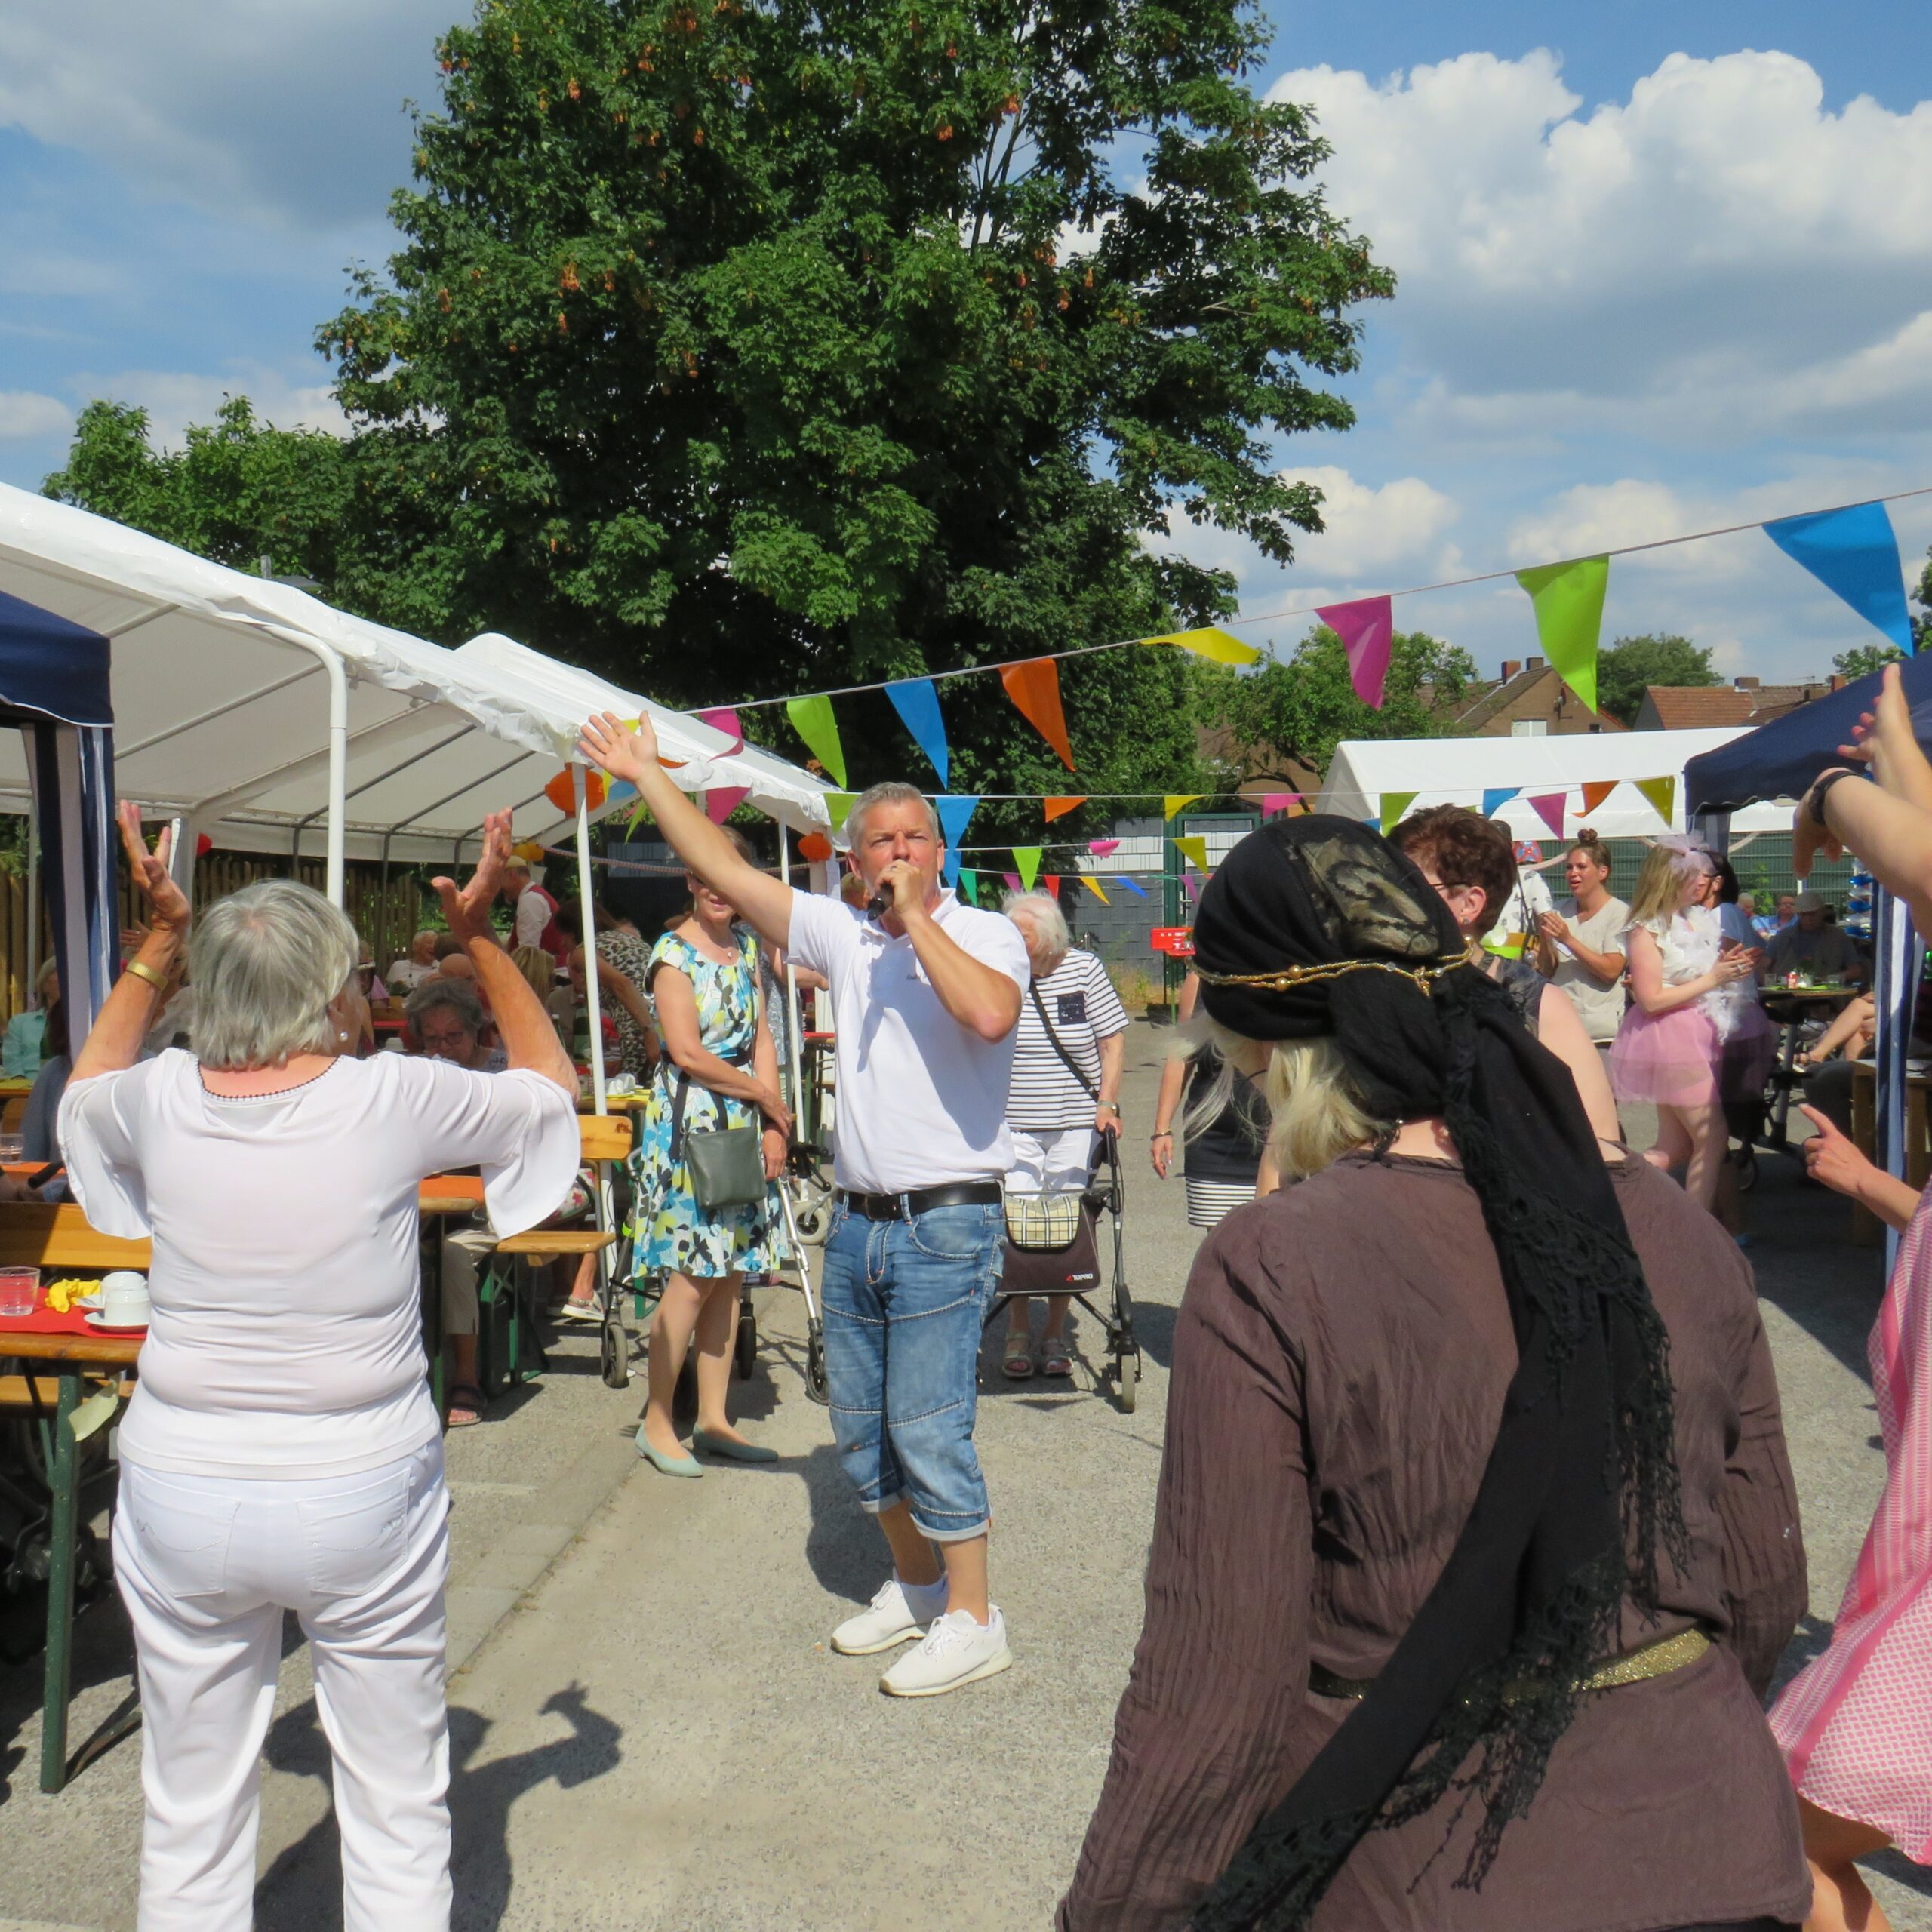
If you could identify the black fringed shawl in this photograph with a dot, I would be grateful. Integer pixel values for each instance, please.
(1580, 1489)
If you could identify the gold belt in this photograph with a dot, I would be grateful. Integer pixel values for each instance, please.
(1657, 1659)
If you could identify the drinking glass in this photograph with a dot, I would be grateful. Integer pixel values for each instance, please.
(18, 1289)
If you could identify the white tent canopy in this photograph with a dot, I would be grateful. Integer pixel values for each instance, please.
(234, 697)
(1458, 771)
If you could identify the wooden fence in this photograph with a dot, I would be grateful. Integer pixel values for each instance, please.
(385, 919)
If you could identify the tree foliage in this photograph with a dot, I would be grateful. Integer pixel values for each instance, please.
(739, 350)
(239, 489)
(1625, 668)
(1862, 659)
(1304, 708)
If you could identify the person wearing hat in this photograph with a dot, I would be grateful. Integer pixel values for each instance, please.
(1813, 948)
(534, 912)
(1476, 1544)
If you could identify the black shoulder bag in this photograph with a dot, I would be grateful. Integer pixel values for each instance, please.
(726, 1164)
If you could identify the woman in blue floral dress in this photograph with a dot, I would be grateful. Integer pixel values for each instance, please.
(704, 976)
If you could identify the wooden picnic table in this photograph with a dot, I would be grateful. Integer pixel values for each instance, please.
(1866, 1229)
(1798, 998)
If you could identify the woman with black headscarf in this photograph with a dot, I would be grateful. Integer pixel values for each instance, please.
(1476, 1543)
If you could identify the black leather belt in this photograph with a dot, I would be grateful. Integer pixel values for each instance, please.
(923, 1200)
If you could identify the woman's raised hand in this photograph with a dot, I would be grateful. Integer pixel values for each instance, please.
(467, 911)
(167, 905)
(624, 754)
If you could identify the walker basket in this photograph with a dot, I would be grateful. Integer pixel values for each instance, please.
(1043, 1223)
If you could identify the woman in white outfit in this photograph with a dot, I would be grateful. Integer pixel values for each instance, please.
(281, 1451)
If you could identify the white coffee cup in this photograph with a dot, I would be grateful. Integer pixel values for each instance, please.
(123, 1299)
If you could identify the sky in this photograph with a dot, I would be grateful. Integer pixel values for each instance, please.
(1660, 268)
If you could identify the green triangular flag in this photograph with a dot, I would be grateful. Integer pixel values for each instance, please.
(1569, 605)
(812, 719)
(969, 885)
(1394, 805)
(1662, 793)
(1026, 863)
(839, 804)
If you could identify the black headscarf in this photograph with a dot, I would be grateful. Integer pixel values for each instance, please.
(1314, 927)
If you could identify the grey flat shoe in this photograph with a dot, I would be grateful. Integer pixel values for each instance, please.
(667, 1465)
(733, 1452)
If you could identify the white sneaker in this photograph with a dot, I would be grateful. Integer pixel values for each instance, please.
(889, 1620)
(957, 1649)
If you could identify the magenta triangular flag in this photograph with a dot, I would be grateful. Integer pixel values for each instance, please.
(723, 718)
(1101, 847)
(722, 801)
(1272, 802)
(1012, 880)
(1548, 807)
(1366, 628)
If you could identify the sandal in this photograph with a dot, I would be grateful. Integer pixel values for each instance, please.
(1018, 1365)
(466, 1405)
(1055, 1359)
(574, 1310)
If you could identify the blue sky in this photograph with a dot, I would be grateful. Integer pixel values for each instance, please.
(1662, 268)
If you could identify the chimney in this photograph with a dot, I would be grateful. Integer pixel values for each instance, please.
(1747, 684)
(1511, 666)
(1837, 685)
(1534, 664)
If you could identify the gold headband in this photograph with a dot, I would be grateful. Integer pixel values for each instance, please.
(1285, 979)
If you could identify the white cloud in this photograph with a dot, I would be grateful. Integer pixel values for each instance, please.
(289, 111)
(1369, 527)
(174, 400)
(1719, 251)
(24, 413)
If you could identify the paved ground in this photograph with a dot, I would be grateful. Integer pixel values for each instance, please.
(654, 1735)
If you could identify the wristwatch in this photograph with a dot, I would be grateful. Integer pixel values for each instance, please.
(1814, 799)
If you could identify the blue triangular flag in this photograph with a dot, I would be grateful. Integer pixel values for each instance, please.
(917, 703)
(1134, 886)
(1854, 552)
(954, 816)
(1501, 795)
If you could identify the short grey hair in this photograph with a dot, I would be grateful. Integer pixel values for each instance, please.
(265, 963)
(894, 792)
(458, 996)
(1043, 908)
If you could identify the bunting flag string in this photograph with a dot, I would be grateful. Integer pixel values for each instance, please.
(1033, 684)
(812, 719)
(916, 701)
(1854, 552)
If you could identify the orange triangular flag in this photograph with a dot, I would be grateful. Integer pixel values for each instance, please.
(1060, 807)
(1595, 795)
(1034, 687)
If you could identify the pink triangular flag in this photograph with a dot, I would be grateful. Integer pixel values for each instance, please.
(1272, 802)
(1366, 628)
(1192, 881)
(1101, 847)
(722, 801)
(724, 718)
(1548, 806)
(1012, 880)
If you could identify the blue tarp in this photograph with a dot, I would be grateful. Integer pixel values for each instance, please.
(51, 666)
(1779, 760)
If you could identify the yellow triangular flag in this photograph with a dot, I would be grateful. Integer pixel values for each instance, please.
(1194, 850)
(1394, 805)
(1662, 793)
(1177, 802)
(1215, 645)
(1092, 885)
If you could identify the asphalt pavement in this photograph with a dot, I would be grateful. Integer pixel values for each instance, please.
(648, 1728)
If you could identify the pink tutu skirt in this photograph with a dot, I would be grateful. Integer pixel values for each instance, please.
(1669, 1059)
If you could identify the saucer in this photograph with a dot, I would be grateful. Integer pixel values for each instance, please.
(95, 1319)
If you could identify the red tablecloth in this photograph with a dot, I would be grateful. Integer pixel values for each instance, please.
(44, 1321)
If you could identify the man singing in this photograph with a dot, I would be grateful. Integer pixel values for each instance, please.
(926, 994)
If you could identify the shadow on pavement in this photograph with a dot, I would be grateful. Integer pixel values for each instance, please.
(301, 1892)
(1802, 1255)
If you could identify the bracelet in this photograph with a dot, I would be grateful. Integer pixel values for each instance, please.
(1165, 1134)
(142, 970)
(1814, 799)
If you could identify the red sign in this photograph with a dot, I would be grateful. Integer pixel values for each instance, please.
(1176, 942)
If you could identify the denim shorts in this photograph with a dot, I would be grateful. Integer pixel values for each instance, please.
(904, 1303)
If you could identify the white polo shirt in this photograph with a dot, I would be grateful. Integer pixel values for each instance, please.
(922, 1098)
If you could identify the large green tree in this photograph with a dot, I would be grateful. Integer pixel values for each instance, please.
(1627, 667)
(744, 350)
(1303, 707)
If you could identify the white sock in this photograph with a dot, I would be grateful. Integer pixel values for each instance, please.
(926, 1601)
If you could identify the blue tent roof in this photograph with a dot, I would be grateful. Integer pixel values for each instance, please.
(1779, 760)
(51, 668)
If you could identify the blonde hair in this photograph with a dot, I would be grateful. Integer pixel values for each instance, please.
(537, 967)
(1659, 892)
(1316, 1114)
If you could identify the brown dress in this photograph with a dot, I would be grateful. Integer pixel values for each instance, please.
(1339, 1366)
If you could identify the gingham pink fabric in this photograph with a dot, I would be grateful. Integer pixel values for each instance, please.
(1855, 1723)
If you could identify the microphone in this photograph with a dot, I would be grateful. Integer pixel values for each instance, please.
(879, 904)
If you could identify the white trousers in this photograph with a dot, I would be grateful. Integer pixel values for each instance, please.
(206, 1566)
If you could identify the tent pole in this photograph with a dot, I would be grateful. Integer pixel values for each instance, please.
(338, 776)
(1899, 954)
(586, 899)
(794, 1032)
(33, 899)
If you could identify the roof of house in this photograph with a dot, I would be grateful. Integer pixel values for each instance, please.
(1500, 695)
(1689, 707)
